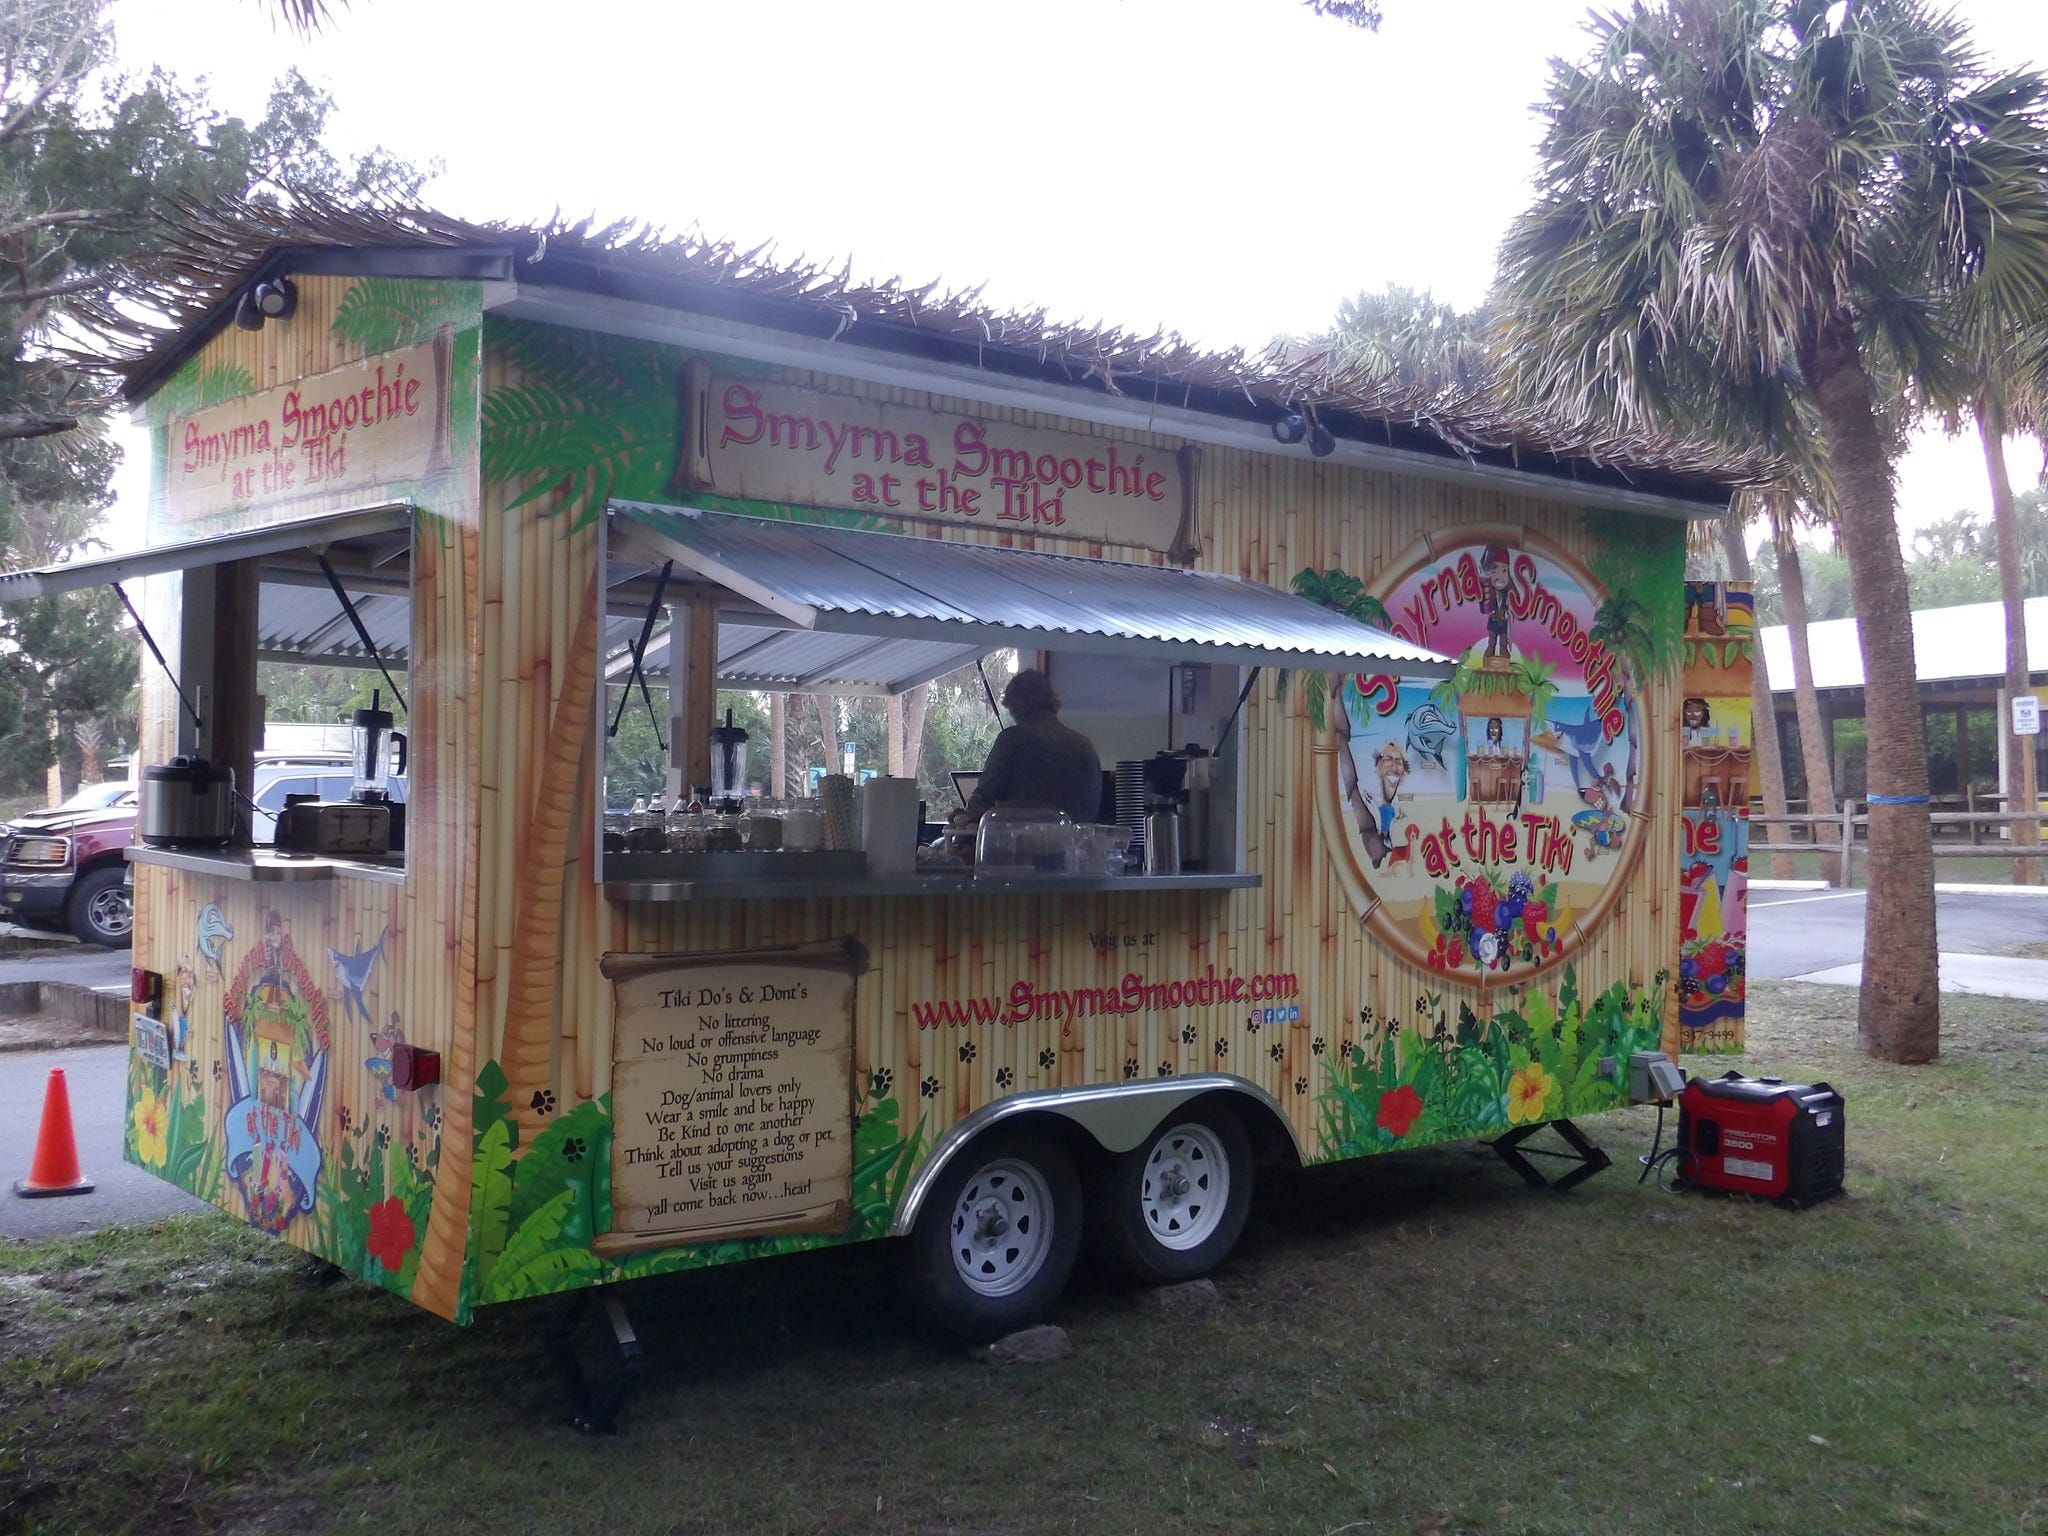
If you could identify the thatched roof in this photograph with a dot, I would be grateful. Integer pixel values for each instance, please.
(166, 307)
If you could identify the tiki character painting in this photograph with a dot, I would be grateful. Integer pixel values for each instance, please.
(277, 1044)
(1522, 773)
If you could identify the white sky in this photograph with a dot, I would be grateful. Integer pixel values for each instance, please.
(1231, 169)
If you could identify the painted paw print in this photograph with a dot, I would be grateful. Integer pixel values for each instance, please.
(573, 1150)
(1300, 1086)
(1365, 1017)
(434, 1116)
(880, 1081)
(1187, 1034)
(929, 1087)
(1276, 1050)
(1131, 1067)
(192, 1074)
(341, 1116)
(1317, 1045)
(383, 1137)
(1046, 1058)
(1005, 1077)
(543, 1101)
(1166, 1069)
(216, 1071)
(966, 1050)
(1222, 1047)
(412, 1155)
(1252, 1024)
(1344, 1050)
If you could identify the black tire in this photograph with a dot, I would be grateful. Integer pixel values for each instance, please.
(976, 1285)
(101, 909)
(1173, 1207)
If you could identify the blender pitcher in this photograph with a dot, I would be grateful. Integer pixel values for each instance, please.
(373, 746)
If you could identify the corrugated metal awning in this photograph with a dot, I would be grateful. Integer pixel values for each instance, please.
(893, 586)
(780, 660)
(255, 543)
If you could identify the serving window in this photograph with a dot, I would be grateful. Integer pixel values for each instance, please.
(1149, 660)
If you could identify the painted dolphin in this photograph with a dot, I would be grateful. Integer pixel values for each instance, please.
(212, 933)
(353, 973)
(1428, 731)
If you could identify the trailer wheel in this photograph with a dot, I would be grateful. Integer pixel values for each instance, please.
(1172, 1208)
(999, 1234)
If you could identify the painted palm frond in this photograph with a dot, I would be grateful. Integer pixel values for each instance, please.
(593, 416)
(1340, 592)
(382, 314)
(198, 385)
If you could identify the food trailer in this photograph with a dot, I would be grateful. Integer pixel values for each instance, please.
(1447, 884)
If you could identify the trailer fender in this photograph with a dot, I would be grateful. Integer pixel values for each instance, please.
(1118, 1116)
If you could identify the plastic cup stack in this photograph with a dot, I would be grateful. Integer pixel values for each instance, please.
(836, 791)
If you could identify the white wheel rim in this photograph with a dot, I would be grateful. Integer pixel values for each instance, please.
(1002, 1227)
(1186, 1188)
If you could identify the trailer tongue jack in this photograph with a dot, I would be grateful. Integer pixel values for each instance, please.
(1586, 1158)
(595, 1413)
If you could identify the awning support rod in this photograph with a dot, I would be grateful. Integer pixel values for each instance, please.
(1223, 734)
(992, 706)
(362, 634)
(149, 640)
(639, 651)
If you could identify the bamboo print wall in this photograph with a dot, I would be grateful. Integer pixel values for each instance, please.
(347, 965)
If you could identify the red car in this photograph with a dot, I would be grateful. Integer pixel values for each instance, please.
(68, 867)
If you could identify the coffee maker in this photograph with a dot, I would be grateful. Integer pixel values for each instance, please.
(1166, 797)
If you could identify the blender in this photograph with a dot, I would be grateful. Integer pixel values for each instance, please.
(377, 753)
(728, 766)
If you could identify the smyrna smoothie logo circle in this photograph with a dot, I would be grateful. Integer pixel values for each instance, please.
(1486, 822)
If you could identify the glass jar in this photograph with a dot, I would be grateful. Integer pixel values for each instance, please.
(761, 826)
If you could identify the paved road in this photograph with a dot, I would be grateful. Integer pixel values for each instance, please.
(1795, 933)
(96, 1077)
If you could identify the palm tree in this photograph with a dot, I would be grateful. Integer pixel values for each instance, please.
(1816, 742)
(1748, 210)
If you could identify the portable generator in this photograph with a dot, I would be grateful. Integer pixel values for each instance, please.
(1762, 1136)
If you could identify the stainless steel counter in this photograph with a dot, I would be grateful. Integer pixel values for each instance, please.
(264, 864)
(765, 888)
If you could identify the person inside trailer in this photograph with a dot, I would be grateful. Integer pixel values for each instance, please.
(1038, 761)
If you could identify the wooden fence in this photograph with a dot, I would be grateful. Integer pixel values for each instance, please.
(1957, 835)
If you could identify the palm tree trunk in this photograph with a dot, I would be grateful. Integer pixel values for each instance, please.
(2019, 750)
(892, 727)
(1815, 748)
(828, 731)
(915, 705)
(1899, 1011)
(1763, 718)
(778, 744)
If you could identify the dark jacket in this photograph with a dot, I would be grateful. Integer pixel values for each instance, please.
(1041, 762)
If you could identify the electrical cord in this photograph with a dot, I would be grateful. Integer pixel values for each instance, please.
(1655, 1162)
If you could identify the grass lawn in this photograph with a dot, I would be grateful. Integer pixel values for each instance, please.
(1950, 871)
(1414, 1344)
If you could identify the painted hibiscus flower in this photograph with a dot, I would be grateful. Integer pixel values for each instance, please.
(150, 1118)
(391, 1233)
(1398, 1111)
(1527, 1091)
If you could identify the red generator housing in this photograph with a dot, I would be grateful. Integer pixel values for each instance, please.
(1762, 1136)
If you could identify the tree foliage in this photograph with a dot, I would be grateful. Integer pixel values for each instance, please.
(87, 156)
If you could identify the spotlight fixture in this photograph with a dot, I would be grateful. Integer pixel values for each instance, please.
(1291, 428)
(277, 298)
(1322, 442)
(247, 315)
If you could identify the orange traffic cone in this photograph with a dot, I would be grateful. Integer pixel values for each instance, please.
(55, 1170)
